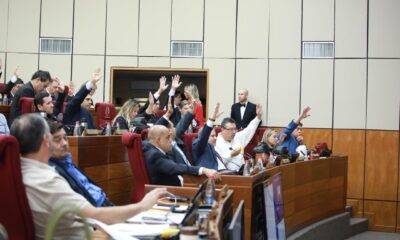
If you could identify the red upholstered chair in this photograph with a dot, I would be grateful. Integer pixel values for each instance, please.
(248, 150)
(27, 105)
(160, 113)
(133, 144)
(188, 140)
(105, 113)
(2, 87)
(15, 213)
(217, 130)
(144, 133)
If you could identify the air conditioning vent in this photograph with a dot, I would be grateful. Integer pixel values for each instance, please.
(56, 45)
(318, 49)
(186, 49)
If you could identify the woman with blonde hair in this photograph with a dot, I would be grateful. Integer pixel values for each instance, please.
(192, 95)
(127, 113)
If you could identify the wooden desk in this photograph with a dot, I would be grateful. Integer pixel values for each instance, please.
(312, 190)
(105, 161)
(247, 188)
(223, 212)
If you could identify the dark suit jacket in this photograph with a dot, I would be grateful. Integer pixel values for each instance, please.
(74, 112)
(180, 129)
(7, 90)
(25, 91)
(249, 114)
(162, 169)
(203, 153)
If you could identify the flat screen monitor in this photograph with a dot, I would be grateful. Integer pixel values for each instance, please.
(236, 227)
(190, 216)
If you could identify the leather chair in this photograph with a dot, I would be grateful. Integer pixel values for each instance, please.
(15, 213)
(188, 140)
(144, 133)
(27, 105)
(133, 144)
(105, 113)
(160, 113)
(2, 87)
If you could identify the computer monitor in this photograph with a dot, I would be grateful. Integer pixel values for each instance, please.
(190, 216)
(236, 227)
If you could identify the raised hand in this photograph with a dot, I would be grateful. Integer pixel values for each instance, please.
(96, 75)
(163, 85)
(149, 109)
(216, 113)
(170, 110)
(16, 71)
(175, 82)
(305, 113)
(259, 111)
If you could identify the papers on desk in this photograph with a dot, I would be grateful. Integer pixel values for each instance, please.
(140, 230)
(155, 216)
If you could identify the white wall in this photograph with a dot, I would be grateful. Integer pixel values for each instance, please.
(253, 44)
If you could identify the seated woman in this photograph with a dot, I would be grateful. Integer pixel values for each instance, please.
(268, 142)
(192, 95)
(126, 114)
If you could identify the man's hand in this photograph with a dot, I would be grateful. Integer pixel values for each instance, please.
(259, 111)
(304, 114)
(216, 113)
(175, 82)
(163, 85)
(96, 76)
(152, 197)
(211, 172)
(16, 72)
(236, 151)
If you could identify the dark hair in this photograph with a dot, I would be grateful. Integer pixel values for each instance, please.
(226, 121)
(29, 130)
(19, 81)
(55, 127)
(300, 124)
(42, 75)
(39, 98)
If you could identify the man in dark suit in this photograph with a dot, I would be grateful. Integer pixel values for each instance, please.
(78, 107)
(203, 148)
(162, 168)
(243, 111)
(39, 81)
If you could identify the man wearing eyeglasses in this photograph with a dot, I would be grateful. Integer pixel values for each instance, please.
(230, 142)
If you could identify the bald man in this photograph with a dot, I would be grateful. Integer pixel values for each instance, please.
(161, 167)
(243, 111)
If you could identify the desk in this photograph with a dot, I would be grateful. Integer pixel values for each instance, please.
(312, 190)
(247, 188)
(105, 161)
(223, 212)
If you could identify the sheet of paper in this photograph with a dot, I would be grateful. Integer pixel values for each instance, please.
(139, 230)
(112, 231)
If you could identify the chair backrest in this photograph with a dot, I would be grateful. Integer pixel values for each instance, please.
(217, 130)
(2, 87)
(133, 144)
(27, 105)
(160, 113)
(144, 133)
(105, 113)
(15, 213)
(188, 140)
(248, 150)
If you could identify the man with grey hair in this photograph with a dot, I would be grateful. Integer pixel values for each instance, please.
(47, 190)
(243, 111)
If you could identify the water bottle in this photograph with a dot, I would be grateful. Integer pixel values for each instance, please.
(5, 99)
(246, 169)
(77, 129)
(108, 129)
(210, 190)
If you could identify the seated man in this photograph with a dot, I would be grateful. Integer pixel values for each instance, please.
(61, 159)
(38, 83)
(78, 107)
(12, 86)
(44, 104)
(293, 132)
(230, 142)
(203, 148)
(162, 168)
(46, 190)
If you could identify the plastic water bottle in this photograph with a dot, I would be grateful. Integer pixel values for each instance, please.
(246, 169)
(5, 99)
(77, 129)
(210, 190)
(108, 129)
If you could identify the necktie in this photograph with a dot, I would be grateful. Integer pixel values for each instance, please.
(182, 154)
(243, 105)
(219, 158)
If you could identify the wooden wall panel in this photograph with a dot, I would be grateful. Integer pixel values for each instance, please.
(352, 144)
(358, 207)
(381, 215)
(313, 136)
(398, 217)
(381, 165)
